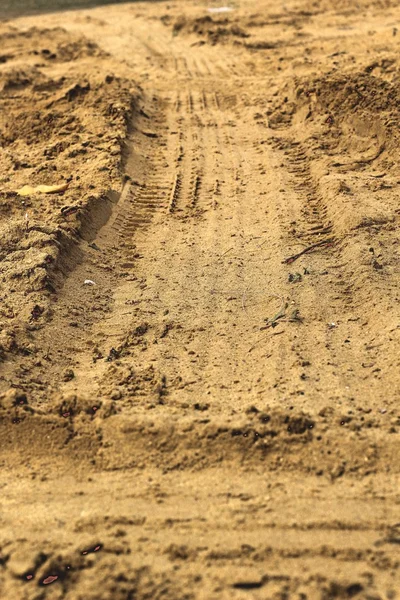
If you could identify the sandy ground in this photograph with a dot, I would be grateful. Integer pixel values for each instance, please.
(215, 414)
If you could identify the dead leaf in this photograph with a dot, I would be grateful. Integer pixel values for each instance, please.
(28, 190)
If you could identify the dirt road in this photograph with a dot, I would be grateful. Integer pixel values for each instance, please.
(200, 379)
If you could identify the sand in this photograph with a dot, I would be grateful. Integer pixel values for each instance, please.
(199, 331)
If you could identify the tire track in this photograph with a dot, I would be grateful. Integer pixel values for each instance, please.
(140, 202)
(314, 210)
(187, 185)
(329, 290)
(323, 217)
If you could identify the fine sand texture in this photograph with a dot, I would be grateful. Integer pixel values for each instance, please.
(199, 317)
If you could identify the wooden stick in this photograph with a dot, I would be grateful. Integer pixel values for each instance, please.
(291, 259)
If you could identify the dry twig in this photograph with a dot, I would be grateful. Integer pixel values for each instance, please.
(291, 259)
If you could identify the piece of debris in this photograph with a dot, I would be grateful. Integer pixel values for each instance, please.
(166, 329)
(377, 265)
(88, 282)
(220, 9)
(69, 210)
(28, 190)
(36, 312)
(68, 375)
(113, 355)
(94, 246)
(295, 316)
(201, 406)
(294, 277)
(279, 315)
(247, 585)
(332, 325)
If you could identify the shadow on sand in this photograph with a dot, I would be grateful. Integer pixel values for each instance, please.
(14, 8)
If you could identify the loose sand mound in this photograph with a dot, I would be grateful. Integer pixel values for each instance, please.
(57, 126)
(211, 29)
